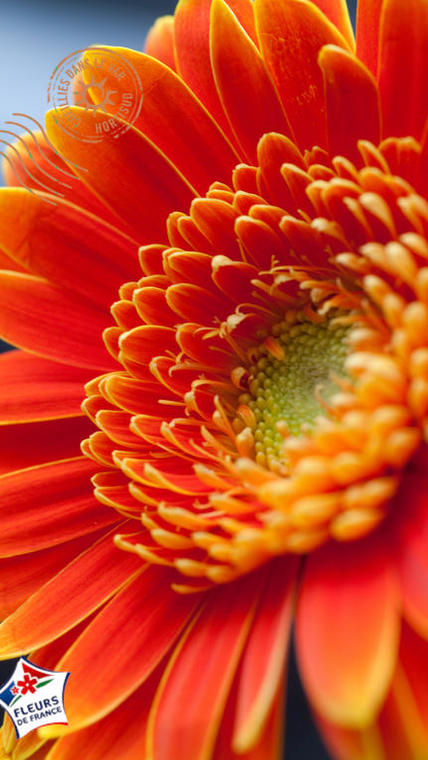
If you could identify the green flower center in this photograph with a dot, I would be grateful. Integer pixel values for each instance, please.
(293, 379)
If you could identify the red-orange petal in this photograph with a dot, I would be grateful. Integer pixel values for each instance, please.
(368, 27)
(403, 67)
(178, 124)
(131, 175)
(291, 35)
(68, 598)
(66, 245)
(263, 661)
(34, 164)
(122, 734)
(147, 616)
(352, 98)
(49, 504)
(348, 629)
(412, 553)
(33, 389)
(211, 648)
(32, 443)
(337, 12)
(46, 320)
(243, 84)
(21, 576)
(192, 51)
(160, 41)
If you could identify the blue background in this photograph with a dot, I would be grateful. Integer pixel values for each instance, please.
(35, 35)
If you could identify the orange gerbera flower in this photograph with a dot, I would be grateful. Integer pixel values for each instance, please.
(262, 422)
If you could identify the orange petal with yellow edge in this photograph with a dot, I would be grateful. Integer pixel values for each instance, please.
(210, 648)
(403, 67)
(160, 41)
(352, 98)
(51, 322)
(243, 84)
(291, 35)
(130, 175)
(33, 389)
(68, 598)
(347, 629)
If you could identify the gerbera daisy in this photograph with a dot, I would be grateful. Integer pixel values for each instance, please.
(261, 448)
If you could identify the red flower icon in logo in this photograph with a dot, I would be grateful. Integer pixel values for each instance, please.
(15, 690)
(27, 685)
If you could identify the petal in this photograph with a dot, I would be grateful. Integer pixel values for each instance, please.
(352, 98)
(412, 552)
(368, 24)
(160, 41)
(337, 12)
(34, 389)
(403, 67)
(68, 598)
(21, 576)
(47, 320)
(221, 631)
(192, 51)
(347, 630)
(263, 661)
(243, 84)
(49, 504)
(33, 163)
(66, 245)
(178, 124)
(291, 35)
(147, 616)
(270, 744)
(34, 443)
(132, 177)
(404, 721)
(119, 735)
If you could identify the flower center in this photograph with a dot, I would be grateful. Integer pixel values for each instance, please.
(293, 379)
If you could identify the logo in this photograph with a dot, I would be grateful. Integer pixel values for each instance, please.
(104, 85)
(34, 697)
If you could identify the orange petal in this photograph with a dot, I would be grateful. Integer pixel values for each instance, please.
(31, 162)
(404, 720)
(68, 598)
(160, 41)
(368, 26)
(403, 67)
(270, 744)
(347, 630)
(174, 119)
(348, 744)
(243, 84)
(34, 443)
(49, 504)
(291, 35)
(192, 50)
(352, 98)
(147, 616)
(132, 177)
(49, 321)
(21, 576)
(66, 245)
(122, 734)
(263, 661)
(412, 552)
(35, 389)
(210, 648)
(337, 12)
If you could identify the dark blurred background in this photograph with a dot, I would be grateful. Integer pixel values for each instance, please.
(35, 35)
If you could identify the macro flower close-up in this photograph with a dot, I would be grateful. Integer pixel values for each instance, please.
(214, 424)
